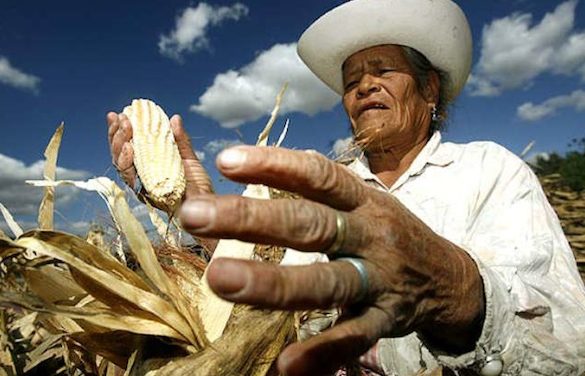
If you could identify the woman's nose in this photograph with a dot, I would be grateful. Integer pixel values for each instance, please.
(367, 86)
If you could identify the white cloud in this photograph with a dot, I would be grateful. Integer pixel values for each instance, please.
(22, 199)
(239, 96)
(342, 145)
(24, 225)
(532, 158)
(344, 148)
(140, 211)
(482, 87)
(514, 51)
(532, 112)
(215, 146)
(79, 228)
(571, 56)
(200, 155)
(9, 75)
(191, 27)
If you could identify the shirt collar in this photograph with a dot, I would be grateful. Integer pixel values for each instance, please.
(433, 153)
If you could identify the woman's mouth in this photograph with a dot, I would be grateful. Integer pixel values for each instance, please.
(371, 107)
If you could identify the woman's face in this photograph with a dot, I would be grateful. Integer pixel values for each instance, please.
(382, 100)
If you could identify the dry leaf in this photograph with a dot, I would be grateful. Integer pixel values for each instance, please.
(249, 347)
(12, 225)
(7, 366)
(52, 283)
(146, 300)
(46, 209)
(100, 317)
(263, 136)
(142, 250)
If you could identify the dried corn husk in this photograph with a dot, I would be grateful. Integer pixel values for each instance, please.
(118, 281)
(110, 317)
(215, 311)
(12, 224)
(570, 208)
(246, 349)
(162, 228)
(45, 218)
(7, 366)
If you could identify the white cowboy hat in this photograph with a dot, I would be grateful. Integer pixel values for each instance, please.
(436, 28)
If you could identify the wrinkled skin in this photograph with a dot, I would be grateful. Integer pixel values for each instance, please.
(382, 76)
(419, 281)
(388, 112)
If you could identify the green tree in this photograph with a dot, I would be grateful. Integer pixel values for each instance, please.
(548, 165)
(571, 166)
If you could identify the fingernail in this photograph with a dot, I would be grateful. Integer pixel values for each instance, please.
(231, 158)
(227, 277)
(197, 214)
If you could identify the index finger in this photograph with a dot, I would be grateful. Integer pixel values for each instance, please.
(113, 124)
(310, 174)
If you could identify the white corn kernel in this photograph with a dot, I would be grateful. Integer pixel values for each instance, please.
(156, 155)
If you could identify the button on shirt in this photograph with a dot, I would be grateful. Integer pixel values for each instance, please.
(485, 199)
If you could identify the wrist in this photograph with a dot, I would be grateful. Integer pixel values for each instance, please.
(455, 321)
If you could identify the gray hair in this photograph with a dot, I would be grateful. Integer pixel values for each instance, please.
(422, 68)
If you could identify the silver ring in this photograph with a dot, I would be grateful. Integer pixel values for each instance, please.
(358, 264)
(339, 233)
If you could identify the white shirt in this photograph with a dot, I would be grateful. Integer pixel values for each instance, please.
(483, 198)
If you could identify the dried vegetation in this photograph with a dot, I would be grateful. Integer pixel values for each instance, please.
(76, 306)
(570, 208)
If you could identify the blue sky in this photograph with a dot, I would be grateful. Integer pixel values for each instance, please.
(220, 64)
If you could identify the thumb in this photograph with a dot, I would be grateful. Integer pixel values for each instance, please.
(198, 180)
(182, 139)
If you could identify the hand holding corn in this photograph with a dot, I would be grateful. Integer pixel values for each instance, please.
(120, 137)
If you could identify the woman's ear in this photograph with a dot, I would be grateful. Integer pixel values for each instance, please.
(432, 88)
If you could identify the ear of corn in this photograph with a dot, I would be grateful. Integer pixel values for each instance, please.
(156, 155)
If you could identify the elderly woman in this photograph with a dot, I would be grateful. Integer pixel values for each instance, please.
(442, 254)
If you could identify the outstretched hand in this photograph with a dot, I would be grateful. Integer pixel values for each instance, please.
(120, 137)
(418, 281)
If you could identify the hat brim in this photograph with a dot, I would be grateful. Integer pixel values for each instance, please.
(436, 28)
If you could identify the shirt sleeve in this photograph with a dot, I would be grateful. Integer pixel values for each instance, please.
(535, 299)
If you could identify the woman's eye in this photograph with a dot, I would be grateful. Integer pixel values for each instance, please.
(386, 71)
(350, 85)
